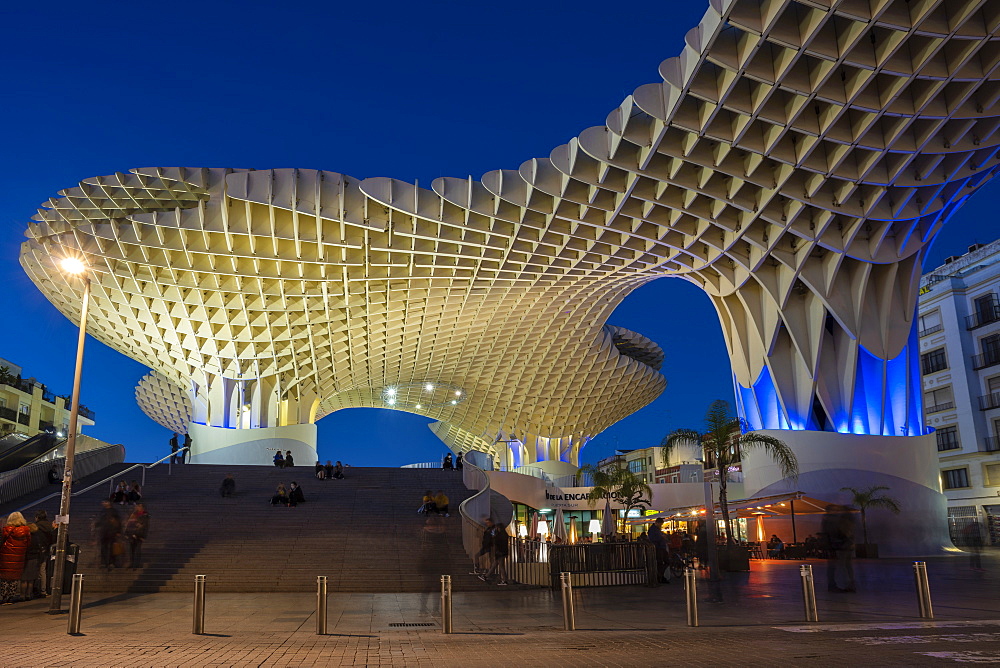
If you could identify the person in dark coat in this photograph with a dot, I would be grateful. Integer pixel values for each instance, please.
(15, 540)
(318, 470)
(289, 460)
(186, 455)
(295, 494)
(501, 550)
(136, 531)
(481, 562)
(108, 527)
(228, 486)
(328, 469)
(659, 542)
(338, 471)
(447, 462)
(53, 475)
(458, 462)
(46, 537)
(838, 534)
(174, 447)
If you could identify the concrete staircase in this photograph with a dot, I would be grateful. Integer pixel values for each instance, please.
(362, 532)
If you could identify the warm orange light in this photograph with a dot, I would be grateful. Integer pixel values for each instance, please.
(73, 265)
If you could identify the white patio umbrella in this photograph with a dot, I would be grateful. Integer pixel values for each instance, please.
(559, 525)
(609, 524)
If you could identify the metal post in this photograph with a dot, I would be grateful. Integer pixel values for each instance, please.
(75, 600)
(712, 549)
(446, 604)
(923, 590)
(808, 592)
(569, 614)
(321, 605)
(62, 535)
(198, 626)
(691, 594)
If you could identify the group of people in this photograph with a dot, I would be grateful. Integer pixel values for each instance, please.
(490, 563)
(434, 503)
(126, 493)
(284, 461)
(290, 497)
(450, 464)
(329, 471)
(114, 535)
(176, 456)
(24, 557)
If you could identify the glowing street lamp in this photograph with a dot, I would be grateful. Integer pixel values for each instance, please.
(76, 267)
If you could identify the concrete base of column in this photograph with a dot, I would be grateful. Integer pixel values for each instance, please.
(220, 445)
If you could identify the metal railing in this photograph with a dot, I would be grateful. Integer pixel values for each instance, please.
(603, 558)
(422, 465)
(933, 329)
(989, 444)
(948, 405)
(983, 316)
(988, 401)
(110, 479)
(32, 477)
(474, 508)
(985, 360)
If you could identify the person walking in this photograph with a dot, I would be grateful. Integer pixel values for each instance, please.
(659, 541)
(108, 526)
(136, 531)
(186, 455)
(44, 538)
(174, 447)
(15, 540)
(501, 550)
(838, 534)
(485, 551)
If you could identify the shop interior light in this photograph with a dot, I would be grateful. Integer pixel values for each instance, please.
(595, 526)
(522, 531)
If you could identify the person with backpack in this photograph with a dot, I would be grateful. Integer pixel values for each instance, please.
(501, 550)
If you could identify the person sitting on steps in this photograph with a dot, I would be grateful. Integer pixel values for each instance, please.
(318, 470)
(289, 462)
(338, 471)
(328, 470)
(280, 497)
(228, 488)
(441, 503)
(295, 495)
(279, 460)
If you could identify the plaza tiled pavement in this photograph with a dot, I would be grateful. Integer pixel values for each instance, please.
(758, 622)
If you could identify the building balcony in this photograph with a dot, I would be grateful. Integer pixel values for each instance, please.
(984, 314)
(988, 401)
(940, 407)
(989, 444)
(8, 414)
(24, 418)
(985, 360)
(933, 329)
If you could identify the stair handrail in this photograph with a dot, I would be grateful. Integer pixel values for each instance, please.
(472, 529)
(111, 478)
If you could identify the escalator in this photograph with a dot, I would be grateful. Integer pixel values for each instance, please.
(27, 451)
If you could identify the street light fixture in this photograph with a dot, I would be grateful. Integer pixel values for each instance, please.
(77, 267)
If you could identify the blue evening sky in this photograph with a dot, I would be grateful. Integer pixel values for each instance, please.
(408, 90)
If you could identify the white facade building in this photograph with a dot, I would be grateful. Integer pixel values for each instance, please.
(959, 334)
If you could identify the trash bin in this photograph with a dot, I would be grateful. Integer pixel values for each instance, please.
(72, 558)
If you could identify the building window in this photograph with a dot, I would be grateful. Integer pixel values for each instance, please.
(991, 352)
(986, 309)
(930, 323)
(947, 438)
(933, 361)
(955, 478)
(991, 474)
(939, 400)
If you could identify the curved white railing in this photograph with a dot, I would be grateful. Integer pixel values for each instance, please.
(32, 477)
(474, 508)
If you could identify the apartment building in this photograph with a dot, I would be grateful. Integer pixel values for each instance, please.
(959, 334)
(28, 407)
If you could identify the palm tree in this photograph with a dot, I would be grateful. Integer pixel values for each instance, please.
(871, 498)
(723, 441)
(620, 484)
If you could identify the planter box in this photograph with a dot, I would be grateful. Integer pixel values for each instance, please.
(866, 550)
(734, 558)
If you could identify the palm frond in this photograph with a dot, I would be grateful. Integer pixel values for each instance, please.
(676, 438)
(775, 448)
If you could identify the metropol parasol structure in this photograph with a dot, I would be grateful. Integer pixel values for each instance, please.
(795, 162)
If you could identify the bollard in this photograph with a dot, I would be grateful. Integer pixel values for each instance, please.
(75, 605)
(199, 605)
(691, 594)
(923, 590)
(569, 614)
(321, 605)
(446, 604)
(808, 592)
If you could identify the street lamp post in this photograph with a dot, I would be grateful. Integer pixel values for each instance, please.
(77, 267)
